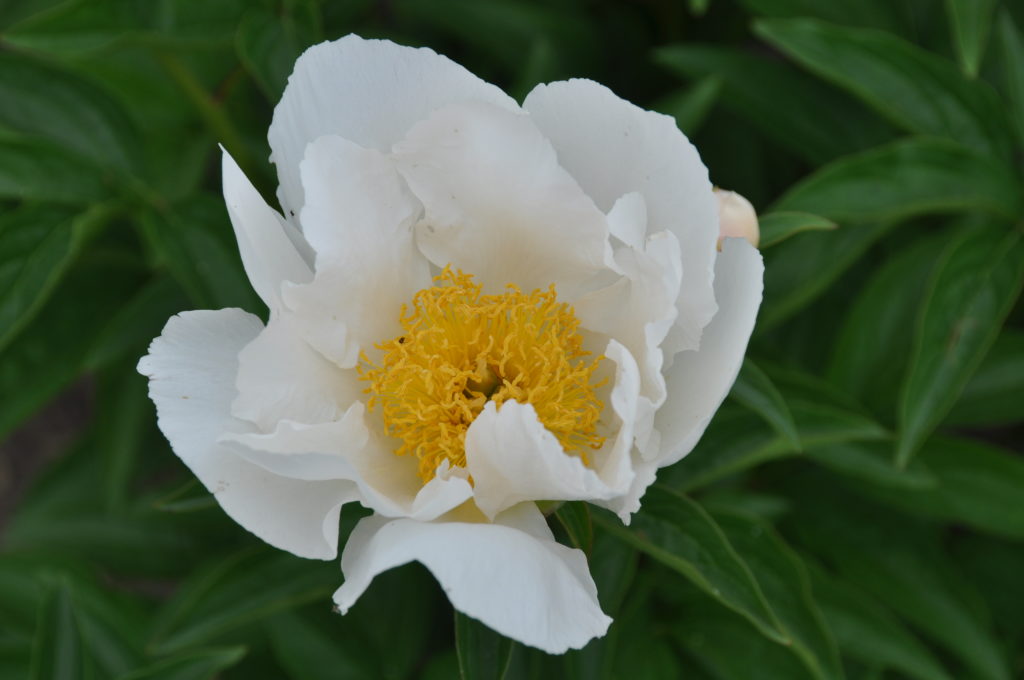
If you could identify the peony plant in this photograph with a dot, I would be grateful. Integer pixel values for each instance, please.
(475, 306)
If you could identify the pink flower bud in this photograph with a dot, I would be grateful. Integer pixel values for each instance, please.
(736, 218)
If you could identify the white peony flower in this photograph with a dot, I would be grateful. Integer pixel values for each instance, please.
(474, 305)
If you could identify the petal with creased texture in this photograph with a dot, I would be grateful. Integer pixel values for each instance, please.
(367, 91)
(497, 204)
(612, 147)
(508, 575)
(191, 369)
(358, 217)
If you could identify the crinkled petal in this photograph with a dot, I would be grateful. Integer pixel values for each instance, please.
(368, 91)
(346, 449)
(524, 586)
(280, 377)
(699, 380)
(272, 251)
(497, 204)
(612, 147)
(191, 369)
(358, 217)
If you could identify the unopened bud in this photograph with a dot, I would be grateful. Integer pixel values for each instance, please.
(736, 218)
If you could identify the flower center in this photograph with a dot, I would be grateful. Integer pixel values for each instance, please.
(460, 349)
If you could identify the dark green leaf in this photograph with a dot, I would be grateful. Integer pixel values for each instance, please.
(483, 654)
(975, 484)
(192, 665)
(872, 462)
(59, 652)
(919, 91)
(237, 592)
(753, 87)
(795, 273)
(868, 632)
(269, 43)
(32, 168)
(1011, 44)
(755, 390)
(692, 105)
(784, 580)
(677, 532)
(970, 22)
(974, 286)
(36, 245)
(575, 518)
(776, 227)
(991, 397)
(308, 652)
(873, 346)
(911, 177)
(69, 111)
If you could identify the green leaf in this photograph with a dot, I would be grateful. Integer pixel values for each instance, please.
(917, 90)
(36, 245)
(872, 13)
(196, 244)
(236, 592)
(755, 390)
(974, 286)
(991, 397)
(483, 654)
(975, 484)
(866, 631)
(910, 177)
(970, 22)
(691, 106)
(872, 463)
(752, 88)
(64, 110)
(794, 273)
(269, 43)
(676, 531)
(574, 516)
(49, 354)
(737, 441)
(783, 577)
(776, 227)
(59, 652)
(873, 346)
(1011, 44)
(192, 665)
(32, 168)
(901, 563)
(308, 652)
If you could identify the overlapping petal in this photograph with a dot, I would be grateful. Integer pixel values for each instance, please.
(511, 575)
(191, 369)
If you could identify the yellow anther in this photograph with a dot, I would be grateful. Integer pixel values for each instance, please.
(460, 349)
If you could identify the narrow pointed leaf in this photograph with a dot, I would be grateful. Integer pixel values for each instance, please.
(776, 227)
(970, 22)
(755, 390)
(976, 283)
(483, 654)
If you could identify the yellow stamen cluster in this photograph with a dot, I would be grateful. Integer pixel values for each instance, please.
(460, 349)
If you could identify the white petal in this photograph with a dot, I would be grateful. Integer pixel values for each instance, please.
(346, 449)
(358, 217)
(272, 250)
(530, 589)
(699, 380)
(513, 458)
(612, 147)
(627, 220)
(497, 203)
(191, 368)
(368, 91)
(280, 377)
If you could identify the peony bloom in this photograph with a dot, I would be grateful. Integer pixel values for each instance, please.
(474, 305)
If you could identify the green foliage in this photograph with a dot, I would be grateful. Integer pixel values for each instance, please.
(854, 510)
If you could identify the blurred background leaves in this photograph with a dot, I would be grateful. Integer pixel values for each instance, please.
(855, 510)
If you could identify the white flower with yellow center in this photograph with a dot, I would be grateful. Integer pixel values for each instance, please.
(474, 306)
